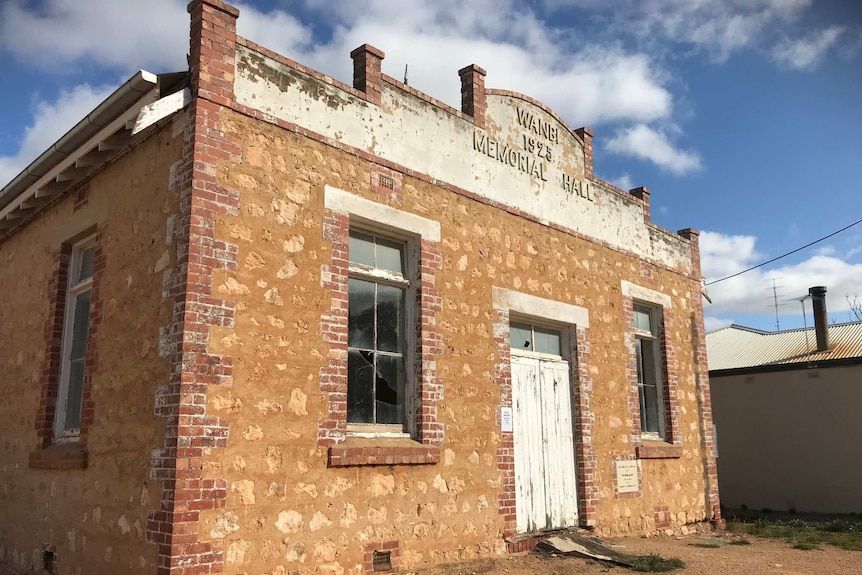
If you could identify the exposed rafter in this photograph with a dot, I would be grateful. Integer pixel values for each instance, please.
(94, 141)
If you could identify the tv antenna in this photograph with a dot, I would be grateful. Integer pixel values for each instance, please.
(855, 306)
(775, 303)
(805, 324)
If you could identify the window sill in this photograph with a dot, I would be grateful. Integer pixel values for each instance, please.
(361, 451)
(658, 450)
(60, 456)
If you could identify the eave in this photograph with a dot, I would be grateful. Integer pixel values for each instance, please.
(97, 139)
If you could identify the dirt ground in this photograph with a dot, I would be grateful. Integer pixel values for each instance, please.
(763, 556)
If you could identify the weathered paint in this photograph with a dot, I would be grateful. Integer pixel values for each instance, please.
(496, 163)
(545, 479)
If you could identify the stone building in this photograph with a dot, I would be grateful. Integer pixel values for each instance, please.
(259, 321)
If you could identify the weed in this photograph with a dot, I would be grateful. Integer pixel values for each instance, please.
(740, 541)
(845, 533)
(654, 563)
(805, 545)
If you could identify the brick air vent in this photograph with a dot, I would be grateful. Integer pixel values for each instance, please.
(48, 561)
(382, 561)
(387, 182)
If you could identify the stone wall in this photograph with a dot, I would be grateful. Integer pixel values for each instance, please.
(90, 508)
(287, 510)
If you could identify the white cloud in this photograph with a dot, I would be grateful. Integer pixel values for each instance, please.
(591, 85)
(751, 293)
(711, 323)
(623, 182)
(852, 252)
(720, 27)
(642, 141)
(586, 84)
(271, 29)
(806, 53)
(124, 35)
(50, 121)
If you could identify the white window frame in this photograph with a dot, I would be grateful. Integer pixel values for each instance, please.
(654, 335)
(408, 283)
(73, 290)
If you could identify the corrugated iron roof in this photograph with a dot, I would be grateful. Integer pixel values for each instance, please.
(737, 346)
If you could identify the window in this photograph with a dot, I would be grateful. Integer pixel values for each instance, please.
(646, 324)
(527, 337)
(376, 337)
(76, 327)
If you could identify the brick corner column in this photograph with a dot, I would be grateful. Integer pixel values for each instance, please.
(587, 136)
(367, 76)
(713, 503)
(642, 193)
(473, 101)
(212, 49)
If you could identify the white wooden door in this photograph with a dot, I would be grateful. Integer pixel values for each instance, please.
(545, 486)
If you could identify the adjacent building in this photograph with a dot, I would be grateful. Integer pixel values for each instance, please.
(786, 407)
(261, 321)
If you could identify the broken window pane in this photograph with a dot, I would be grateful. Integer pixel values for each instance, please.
(520, 336)
(390, 302)
(360, 386)
(390, 389)
(360, 321)
(376, 315)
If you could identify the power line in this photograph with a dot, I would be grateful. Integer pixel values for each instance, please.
(785, 255)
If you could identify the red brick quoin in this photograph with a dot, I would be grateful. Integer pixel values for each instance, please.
(174, 526)
(713, 503)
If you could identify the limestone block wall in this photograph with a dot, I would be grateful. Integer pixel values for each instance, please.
(287, 509)
(89, 510)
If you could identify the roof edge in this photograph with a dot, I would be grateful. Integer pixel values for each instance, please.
(777, 367)
(127, 94)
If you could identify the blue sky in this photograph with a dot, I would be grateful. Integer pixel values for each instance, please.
(742, 116)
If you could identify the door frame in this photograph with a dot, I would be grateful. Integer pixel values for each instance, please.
(542, 359)
(575, 321)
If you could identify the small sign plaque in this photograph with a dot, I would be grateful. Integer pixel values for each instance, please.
(506, 419)
(627, 476)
